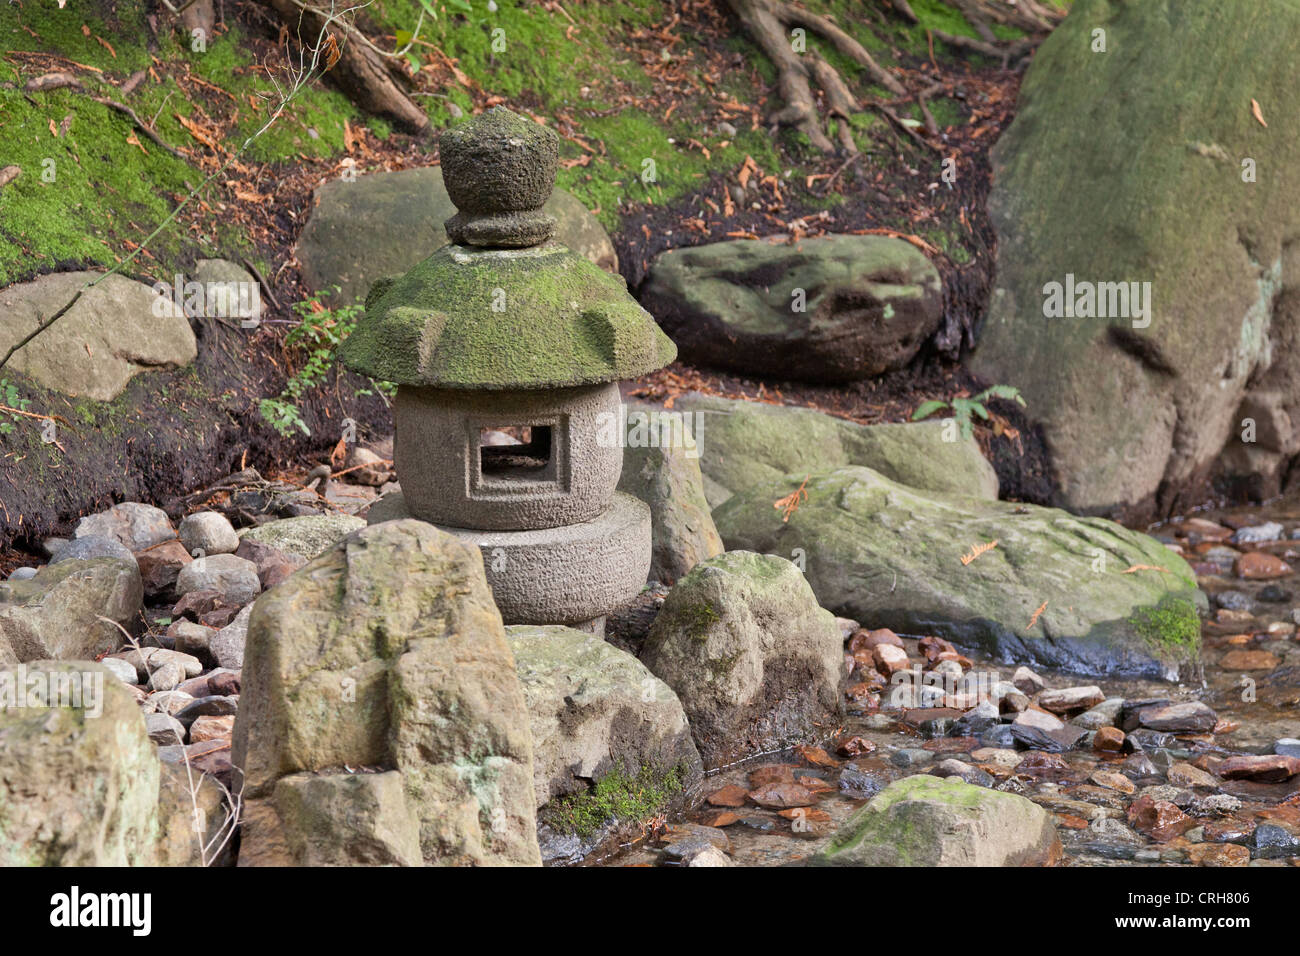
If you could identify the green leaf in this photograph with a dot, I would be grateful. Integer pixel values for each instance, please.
(926, 409)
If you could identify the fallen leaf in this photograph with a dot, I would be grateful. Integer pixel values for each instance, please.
(1034, 620)
(977, 550)
(1259, 115)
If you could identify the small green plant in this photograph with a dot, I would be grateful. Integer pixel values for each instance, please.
(13, 403)
(319, 333)
(963, 409)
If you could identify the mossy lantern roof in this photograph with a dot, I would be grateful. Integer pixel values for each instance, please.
(503, 306)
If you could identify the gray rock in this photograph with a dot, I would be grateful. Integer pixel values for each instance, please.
(883, 552)
(594, 709)
(747, 445)
(830, 309)
(756, 663)
(910, 757)
(93, 351)
(227, 645)
(22, 574)
(306, 536)
(59, 614)
(135, 526)
(164, 729)
(235, 579)
(91, 546)
(1104, 714)
(207, 533)
(120, 669)
(1287, 747)
(1258, 533)
(166, 676)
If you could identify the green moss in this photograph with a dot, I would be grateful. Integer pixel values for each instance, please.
(616, 797)
(698, 619)
(1171, 627)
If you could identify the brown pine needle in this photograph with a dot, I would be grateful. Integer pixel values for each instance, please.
(1034, 620)
(1145, 567)
(977, 550)
(790, 503)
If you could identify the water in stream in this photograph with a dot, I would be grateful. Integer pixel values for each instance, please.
(1250, 677)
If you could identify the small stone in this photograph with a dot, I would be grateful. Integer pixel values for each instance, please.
(210, 706)
(952, 767)
(1220, 803)
(1108, 740)
(188, 663)
(1027, 682)
(368, 468)
(22, 574)
(1258, 566)
(170, 701)
(1218, 854)
(889, 659)
(1259, 533)
(1287, 747)
(206, 533)
(1266, 768)
(910, 757)
(164, 729)
(780, 796)
(212, 728)
(224, 683)
(234, 578)
(997, 757)
(729, 796)
(709, 856)
(1070, 700)
(166, 677)
(1242, 660)
(90, 546)
(1112, 781)
(191, 638)
(122, 670)
(854, 746)
(1185, 775)
(1188, 716)
(273, 565)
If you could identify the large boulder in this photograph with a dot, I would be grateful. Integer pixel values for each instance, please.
(386, 652)
(79, 780)
(927, 821)
(135, 526)
(832, 309)
(69, 610)
(756, 663)
(667, 478)
(383, 223)
(594, 709)
(1083, 594)
(111, 334)
(1144, 164)
(746, 444)
(306, 536)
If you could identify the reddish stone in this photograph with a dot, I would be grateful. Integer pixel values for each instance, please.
(916, 716)
(1108, 740)
(1242, 660)
(730, 796)
(1258, 566)
(951, 745)
(160, 566)
(212, 728)
(1267, 768)
(224, 684)
(197, 603)
(1228, 831)
(219, 617)
(1038, 763)
(723, 819)
(813, 784)
(1148, 814)
(854, 746)
(806, 814)
(889, 660)
(1218, 854)
(772, 773)
(1070, 822)
(780, 796)
(817, 757)
(932, 647)
(273, 565)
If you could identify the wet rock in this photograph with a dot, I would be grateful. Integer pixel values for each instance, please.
(1108, 739)
(1233, 600)
(1243, 660)
(1182, 717)
(1045, 764)
(780, 796)
(1027, 682)
(754, 660)
(732, 795)
(1266, 768)
(1258, 533)
(889, 660)
(1259, 566)
(1042, 731)
(136, 526)
(1105, 714)
(1272, 841)
(207, 533)
(1287, 747)
(963, 771)
(977, 720)
(1070, 700)
(857, 782)
(233, 578)
(1112, 781)
(594, 710)
(1272, 594)
(1222, 854)
(999, 736)
(928, 821)
(910, 757)
(1149, 814)
(1220, 803)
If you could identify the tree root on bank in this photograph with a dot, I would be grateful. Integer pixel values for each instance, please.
(769, 22)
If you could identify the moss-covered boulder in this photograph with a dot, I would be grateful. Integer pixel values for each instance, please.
(831, 309)
(667, 478)
(1084, 594)
(382, 224)
(111, 334)
(69, 610)
(595, 710)
(756, 663)
(746, 444)
(386, 652)
(1144, 164)
(928, 821)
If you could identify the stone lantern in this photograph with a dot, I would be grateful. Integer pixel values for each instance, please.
(504, 330)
